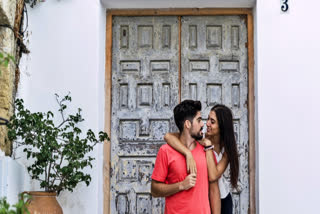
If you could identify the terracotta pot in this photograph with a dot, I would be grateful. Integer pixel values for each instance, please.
(43, 203)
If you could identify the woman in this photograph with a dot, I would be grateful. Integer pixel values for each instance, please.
(220, 134)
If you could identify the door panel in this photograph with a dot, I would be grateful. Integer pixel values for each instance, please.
(145, 61)
(214, 70)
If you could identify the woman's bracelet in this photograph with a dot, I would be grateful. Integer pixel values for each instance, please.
(206, 148)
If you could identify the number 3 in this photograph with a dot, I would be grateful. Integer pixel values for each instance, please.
(284, 6)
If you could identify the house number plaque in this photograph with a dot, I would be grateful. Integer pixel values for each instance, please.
(284, 5)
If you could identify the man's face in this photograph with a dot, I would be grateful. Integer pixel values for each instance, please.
(196, 127)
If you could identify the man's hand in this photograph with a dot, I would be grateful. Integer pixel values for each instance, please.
(191, 164)
(189, 182)
(205, 142)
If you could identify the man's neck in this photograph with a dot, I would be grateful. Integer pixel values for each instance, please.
(187, 140)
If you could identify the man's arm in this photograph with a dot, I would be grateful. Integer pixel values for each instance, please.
(159, 189)
(214, 195)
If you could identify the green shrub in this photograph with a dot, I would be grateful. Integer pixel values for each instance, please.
(19, 207)
(58, 152)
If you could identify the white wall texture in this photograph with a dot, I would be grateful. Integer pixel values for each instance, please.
(12, 178)
(288, 106)
(67, 54)
(67, 40)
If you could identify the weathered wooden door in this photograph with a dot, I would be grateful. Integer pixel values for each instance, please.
(145, 89)
(214, 70)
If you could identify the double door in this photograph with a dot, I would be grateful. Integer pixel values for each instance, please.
(156, 62)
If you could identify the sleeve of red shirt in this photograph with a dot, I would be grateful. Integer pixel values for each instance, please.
(160, 170)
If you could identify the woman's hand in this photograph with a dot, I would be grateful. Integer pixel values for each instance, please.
(205, 142)
(191, 164)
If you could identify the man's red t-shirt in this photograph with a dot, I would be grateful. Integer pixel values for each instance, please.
(170, 167)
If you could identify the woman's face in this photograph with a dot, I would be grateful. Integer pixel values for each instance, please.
(212, 124)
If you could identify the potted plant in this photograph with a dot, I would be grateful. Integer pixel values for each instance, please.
(58, 151)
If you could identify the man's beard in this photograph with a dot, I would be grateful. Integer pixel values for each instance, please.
(197, 136)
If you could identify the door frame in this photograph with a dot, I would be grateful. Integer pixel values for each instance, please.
(108, 83)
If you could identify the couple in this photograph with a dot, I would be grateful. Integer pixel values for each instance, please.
(188, 171)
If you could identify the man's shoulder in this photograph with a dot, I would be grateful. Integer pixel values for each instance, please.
(165, 147)
(168, 149)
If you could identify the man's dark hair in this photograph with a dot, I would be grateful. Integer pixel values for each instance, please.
(186, 110)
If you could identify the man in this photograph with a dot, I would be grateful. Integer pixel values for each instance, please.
(184, 193)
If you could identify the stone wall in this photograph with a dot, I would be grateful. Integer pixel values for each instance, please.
(7, 76)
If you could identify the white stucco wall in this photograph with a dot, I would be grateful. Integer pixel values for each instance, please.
(67, 44)
(288, 106)
(67, 54)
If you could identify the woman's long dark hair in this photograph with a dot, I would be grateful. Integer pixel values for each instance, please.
(227, 140)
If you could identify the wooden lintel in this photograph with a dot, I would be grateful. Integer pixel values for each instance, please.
(180, 12)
